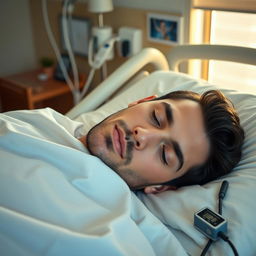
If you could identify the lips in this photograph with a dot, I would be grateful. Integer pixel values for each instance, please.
(119, 141)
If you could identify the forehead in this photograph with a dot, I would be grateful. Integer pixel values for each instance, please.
(175, 104)
(187, 116)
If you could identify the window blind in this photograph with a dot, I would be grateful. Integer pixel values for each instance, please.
(226, 5)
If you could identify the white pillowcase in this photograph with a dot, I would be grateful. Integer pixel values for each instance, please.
(176, 208)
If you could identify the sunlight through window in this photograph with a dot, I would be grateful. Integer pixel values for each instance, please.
(231, 28)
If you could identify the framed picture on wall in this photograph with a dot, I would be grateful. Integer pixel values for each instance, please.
(79, 31)
(165, 29)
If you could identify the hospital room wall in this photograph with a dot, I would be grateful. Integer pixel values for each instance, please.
(30, 31)
(17, 49)
(123, 15)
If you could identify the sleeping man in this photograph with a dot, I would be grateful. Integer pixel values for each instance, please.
(57, 199)
(175, 140)
(156, 144)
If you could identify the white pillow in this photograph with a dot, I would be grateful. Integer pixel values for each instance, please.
(176, 208)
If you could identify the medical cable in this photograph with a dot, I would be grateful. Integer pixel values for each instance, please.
(90, 51)
(206, 248)
(54, 45)
(221, 196)
(98, 59)
(88, 82)
(226, 239)
(77, 95)
(97, 63)
(67, 10)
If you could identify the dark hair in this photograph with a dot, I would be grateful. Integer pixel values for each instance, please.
(224, 132)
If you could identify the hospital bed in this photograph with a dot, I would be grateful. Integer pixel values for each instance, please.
(121, 222)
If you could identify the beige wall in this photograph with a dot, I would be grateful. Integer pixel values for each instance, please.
(17, 52)
(124, 14)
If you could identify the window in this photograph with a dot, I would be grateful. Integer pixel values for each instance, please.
(233, 28)
(229, 28)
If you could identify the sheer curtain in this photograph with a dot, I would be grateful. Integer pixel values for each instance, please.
(233, 28)
(226, 5)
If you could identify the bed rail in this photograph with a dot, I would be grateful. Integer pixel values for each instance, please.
(117, 79)
(185, 52)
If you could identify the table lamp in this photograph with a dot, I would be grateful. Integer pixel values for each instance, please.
(101, 33)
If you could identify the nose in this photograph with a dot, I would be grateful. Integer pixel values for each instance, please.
(143, 137)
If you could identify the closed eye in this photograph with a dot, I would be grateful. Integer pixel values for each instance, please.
(155, 119)
(163, 156)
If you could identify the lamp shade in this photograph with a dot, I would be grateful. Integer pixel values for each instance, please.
(100, 6)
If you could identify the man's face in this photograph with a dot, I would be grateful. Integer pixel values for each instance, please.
(151, 142)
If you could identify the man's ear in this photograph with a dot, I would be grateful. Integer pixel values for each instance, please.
(142, 100)
(158, 189)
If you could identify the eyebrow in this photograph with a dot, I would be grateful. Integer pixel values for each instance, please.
(176, 146)
(168, 112)
(179, 154)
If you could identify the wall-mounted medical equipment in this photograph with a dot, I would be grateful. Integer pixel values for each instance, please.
(105, 52)
(130, 41)
(73, 84)
(102, 42)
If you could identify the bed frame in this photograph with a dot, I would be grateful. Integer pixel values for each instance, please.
(153, 56)
(238, 54)
(56, 199)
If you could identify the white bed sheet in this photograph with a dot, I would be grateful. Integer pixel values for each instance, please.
(176, 208)
(55, 199)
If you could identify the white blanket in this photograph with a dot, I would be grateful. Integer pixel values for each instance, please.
(176, 208)
(55, 199)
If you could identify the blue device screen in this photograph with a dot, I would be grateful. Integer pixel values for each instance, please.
(211, 217)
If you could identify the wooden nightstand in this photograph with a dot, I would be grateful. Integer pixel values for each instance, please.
(26, 91)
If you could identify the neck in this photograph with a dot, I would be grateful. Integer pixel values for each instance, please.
(83, 140)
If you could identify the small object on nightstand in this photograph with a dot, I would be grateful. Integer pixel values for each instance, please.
(58, 74)
(42, 77)
(47, 68)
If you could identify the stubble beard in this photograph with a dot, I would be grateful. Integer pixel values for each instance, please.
(94, 145)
